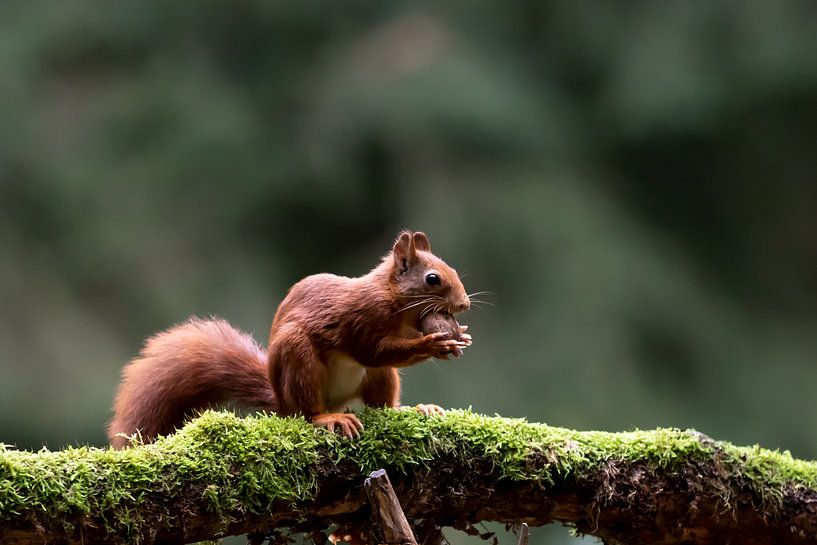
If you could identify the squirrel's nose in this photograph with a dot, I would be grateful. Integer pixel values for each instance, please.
(464, 305)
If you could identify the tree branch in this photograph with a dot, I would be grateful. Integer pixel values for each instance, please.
(225, 475)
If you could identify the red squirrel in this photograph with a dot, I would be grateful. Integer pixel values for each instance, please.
(333, 340)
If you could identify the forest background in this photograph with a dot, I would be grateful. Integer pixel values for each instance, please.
(634, 182)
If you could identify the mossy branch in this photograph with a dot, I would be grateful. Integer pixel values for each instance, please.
(224, 475)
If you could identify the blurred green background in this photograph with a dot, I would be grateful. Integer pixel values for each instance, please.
(635, 183)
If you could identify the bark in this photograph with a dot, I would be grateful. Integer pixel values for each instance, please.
(391, 525)
(661, 487)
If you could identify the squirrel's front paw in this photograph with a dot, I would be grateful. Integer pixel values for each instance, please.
(465, 337)
(439, 345)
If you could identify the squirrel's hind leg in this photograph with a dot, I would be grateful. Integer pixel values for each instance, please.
(381, 388)
(299, 379)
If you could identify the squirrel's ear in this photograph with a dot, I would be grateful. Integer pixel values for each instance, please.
(403, 251)
(421, 241)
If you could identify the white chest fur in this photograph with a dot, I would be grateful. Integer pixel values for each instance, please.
(343, 383)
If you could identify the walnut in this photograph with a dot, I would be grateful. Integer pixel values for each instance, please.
(441, 321)
(446, 323)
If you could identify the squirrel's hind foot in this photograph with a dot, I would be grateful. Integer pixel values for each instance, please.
(348, 423)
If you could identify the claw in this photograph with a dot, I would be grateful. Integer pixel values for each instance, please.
(466, 337)
(349, 424)
(429, 409)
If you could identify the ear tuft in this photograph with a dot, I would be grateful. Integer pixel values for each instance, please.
(421, 241)
(403, 250)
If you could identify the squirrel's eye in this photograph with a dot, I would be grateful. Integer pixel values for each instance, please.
(433, 279)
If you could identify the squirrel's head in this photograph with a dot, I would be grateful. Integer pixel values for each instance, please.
(425, 279)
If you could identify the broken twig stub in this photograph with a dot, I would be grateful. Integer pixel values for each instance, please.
(391, 526)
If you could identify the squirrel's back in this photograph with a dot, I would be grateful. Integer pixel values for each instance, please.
(352, 310)
(184, 370)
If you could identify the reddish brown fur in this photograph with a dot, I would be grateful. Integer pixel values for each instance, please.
(201, 363)
(184, 370)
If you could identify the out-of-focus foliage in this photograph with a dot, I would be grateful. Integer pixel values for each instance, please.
(634, 182)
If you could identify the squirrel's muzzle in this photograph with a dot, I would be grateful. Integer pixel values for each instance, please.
(463, 305)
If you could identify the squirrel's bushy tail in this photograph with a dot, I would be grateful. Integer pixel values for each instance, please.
(186, 369)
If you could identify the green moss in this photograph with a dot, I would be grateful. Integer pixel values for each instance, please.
(238, 464)
(245, 465)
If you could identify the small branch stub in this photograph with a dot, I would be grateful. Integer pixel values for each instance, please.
(524, 534)
(391, 525)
